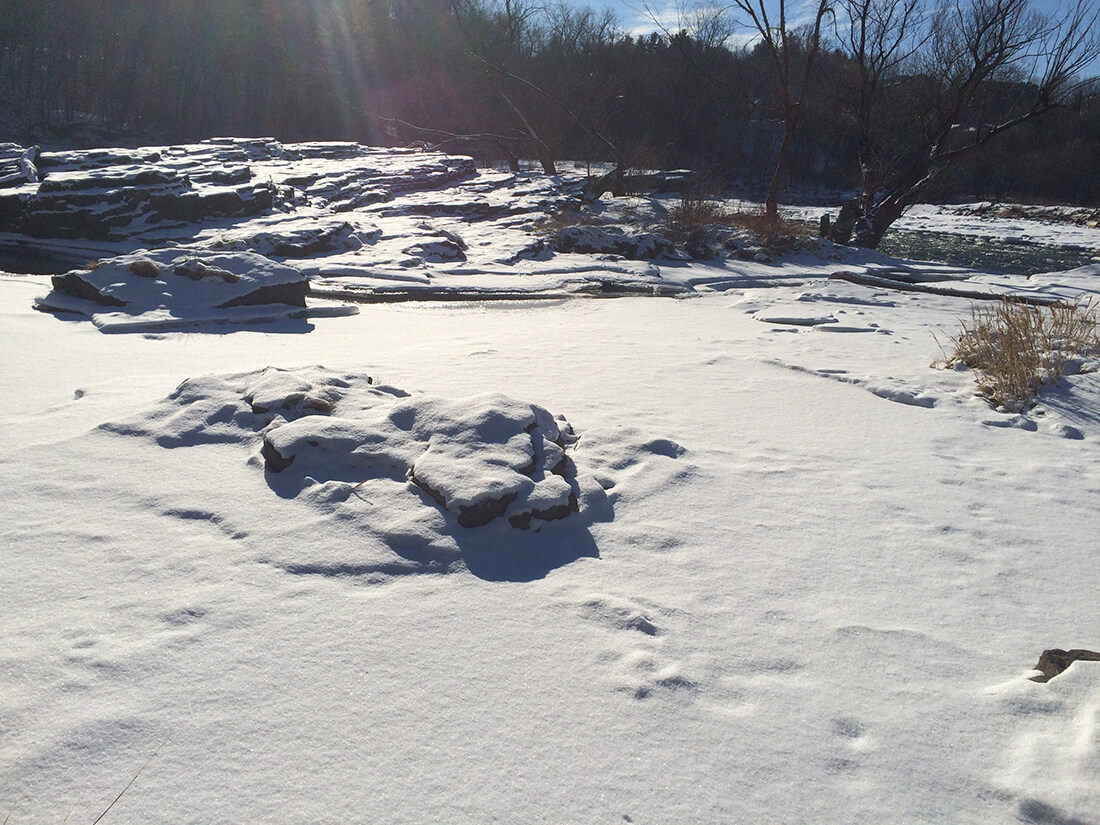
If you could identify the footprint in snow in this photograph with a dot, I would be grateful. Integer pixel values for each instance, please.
(637, 664)
(620, 614)
(644, 674)
(850, 737)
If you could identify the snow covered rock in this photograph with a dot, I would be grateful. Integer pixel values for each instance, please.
(111, 200)
(166, 288)
(1054, 661)
(615, 240)
(18, 165)
(295, 241)
(325, 437)
(116, 194)
(480, 459)
(361, 223)
(437, 252)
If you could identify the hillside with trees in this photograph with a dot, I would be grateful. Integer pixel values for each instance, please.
(503, 79)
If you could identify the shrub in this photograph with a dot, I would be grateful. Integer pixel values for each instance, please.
(697, 213)
(770, 228)
(693, 217)
(1014, 348)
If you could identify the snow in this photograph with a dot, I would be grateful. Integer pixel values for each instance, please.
(806, 578)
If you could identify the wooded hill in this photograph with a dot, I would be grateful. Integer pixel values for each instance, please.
(497, 79)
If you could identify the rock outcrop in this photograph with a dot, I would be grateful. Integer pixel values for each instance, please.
(1054, 661)
(170, 287)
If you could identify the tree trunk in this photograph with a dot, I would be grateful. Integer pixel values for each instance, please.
(771, 203)
(871, 227)
(863, 225)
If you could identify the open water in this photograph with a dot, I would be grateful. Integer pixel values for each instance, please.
(996, 256)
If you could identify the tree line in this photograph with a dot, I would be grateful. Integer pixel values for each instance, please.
(877, 84)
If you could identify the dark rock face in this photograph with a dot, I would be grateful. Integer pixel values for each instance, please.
(71, 283)
(480, 514)
(1052, 662)
(290, 294)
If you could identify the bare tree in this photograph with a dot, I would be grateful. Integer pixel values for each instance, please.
(973, 69)
(792, 52)
(506, 38)
(784, 46)
(515, 19)
(880, 36)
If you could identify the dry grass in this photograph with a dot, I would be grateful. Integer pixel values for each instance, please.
(769, 228)
(695, 215)
(1014, 349)
(698, 213)
(556, 221)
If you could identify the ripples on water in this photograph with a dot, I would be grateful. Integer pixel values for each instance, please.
(976, 253)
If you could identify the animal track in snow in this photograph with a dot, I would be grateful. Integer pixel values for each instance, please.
(847, 727)
(638, 665)
(617, 456)
(643, 674)
(208, 517)
(184, 616)
(620, 614)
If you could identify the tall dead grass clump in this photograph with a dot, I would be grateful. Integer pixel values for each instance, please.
(1014, 348)
(776, 233)
(698, 213)
(695, 215)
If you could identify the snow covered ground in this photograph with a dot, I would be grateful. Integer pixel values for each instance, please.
(805, 578)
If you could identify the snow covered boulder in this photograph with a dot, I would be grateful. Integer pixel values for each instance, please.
(18, 165)
(332, 438)
(166, 288)
(438, 252)
(110, 195)
(480, 459)
(295, 240)
(616, 241)
(338, 475)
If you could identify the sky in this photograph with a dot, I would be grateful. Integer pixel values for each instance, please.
(634, 19)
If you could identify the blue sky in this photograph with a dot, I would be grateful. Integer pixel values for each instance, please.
(632, 18)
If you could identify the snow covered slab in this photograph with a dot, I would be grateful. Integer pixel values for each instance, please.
(370, 224)
(169, 288)
(428, 468)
